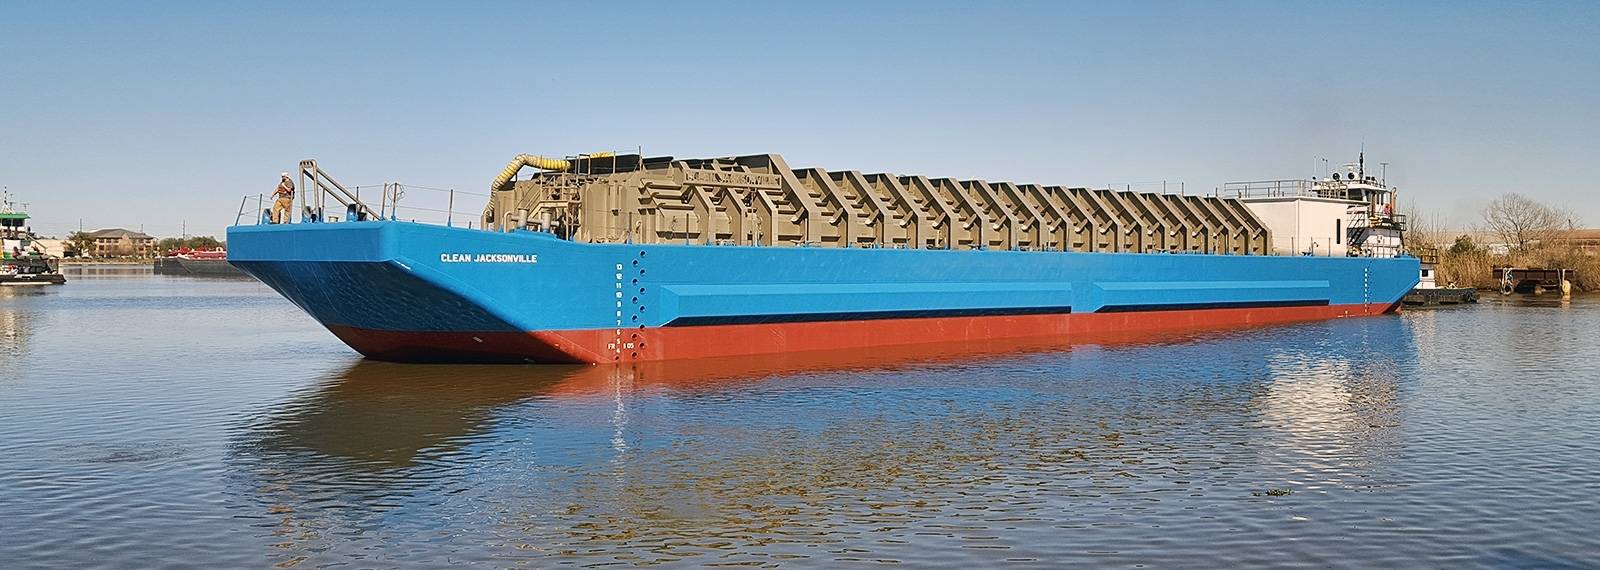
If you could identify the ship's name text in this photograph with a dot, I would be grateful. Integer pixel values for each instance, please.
(529, 258)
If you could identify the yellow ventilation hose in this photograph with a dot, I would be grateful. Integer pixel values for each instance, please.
(503, 181)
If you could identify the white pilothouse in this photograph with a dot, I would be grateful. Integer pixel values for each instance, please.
(1346, 214)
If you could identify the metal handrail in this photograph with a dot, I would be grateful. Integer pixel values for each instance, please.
(1314, 247)
(1270, 188)
(1297, 187)
(261, 213)
(389, 209)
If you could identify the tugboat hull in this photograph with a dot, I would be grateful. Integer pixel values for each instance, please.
(33, 279)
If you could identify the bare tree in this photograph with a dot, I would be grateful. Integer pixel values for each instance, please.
(1425, 229)
(1521, 222)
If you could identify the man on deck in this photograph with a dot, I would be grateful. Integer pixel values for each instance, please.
(283, 203)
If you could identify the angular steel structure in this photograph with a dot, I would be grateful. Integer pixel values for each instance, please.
(759, 200)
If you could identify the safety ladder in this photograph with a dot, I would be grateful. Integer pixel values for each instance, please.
(316, 186)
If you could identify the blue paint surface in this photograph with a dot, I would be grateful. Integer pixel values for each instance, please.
(416, 277)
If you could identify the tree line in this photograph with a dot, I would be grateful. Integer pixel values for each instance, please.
(82, 244)
(1522, 232)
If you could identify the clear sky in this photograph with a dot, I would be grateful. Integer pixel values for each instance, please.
(160, 113)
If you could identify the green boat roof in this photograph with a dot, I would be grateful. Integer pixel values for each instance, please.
(13, 216)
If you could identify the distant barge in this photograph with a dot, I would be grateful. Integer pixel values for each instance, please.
(197, 264)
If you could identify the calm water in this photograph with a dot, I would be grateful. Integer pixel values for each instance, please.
(151, 421)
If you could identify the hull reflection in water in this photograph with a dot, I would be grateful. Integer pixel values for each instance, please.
(752, 460)
(384, 414)
(14, 323)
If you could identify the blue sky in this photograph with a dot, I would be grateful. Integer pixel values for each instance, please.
(161, 113)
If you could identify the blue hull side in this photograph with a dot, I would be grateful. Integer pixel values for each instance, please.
(414, 278)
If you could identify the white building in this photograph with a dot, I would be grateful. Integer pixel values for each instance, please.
(54, 248)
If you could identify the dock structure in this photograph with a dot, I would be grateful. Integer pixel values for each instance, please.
(1535, 280)
(759, 200)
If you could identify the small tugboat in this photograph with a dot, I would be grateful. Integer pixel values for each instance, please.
(22, 262)
(1428, 292)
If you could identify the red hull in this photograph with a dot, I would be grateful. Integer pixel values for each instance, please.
(715, 341)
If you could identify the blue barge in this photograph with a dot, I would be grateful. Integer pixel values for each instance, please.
(590, 263)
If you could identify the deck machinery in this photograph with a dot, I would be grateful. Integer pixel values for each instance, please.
(760, 200)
